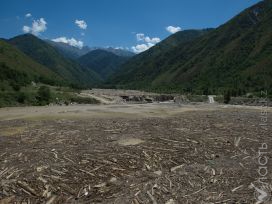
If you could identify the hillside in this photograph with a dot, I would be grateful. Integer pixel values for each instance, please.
(17, 69)
(48, 56)
(236, 56)
(102, 62)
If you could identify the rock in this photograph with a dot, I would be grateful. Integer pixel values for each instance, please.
(113, 180)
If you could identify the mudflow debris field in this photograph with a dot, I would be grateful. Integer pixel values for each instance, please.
(202, 155)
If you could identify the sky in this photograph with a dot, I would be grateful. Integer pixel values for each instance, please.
(130, 24)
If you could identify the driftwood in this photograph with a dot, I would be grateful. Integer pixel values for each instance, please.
(192, 157)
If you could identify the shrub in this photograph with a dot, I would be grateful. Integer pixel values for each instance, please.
(84, 100)
(44, 95)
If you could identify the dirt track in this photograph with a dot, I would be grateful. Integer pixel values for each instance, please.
(150, 153)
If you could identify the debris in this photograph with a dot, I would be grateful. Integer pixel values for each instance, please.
(100, 185)
(27, 188)
(113, 179)
(86, 172)
(177, 167)
(147, 167)
(151, 197)
(171, 201)
(237, 188)
(193, 141)
(135, 201)
(237, 141)
(51, 200)
(159, 173)
(185, 156)
(195, 192)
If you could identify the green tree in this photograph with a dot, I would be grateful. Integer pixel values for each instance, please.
(21, 97)
(227, 97)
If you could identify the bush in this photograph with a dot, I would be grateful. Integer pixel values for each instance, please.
(8, 98)
(84, 100)
(197, 98)
(44, 95)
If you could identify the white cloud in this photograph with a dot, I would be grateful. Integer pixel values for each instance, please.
(152, 40)
(142, 37)
(26, 29)
(172, 29)
(81, 24)
(38, 26)
(141, 47)
(72, 41)
(28, 15)
(148, 43)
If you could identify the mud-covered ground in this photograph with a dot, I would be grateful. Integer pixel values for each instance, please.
(149, 153)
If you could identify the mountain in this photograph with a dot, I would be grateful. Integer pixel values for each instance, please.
(120, 52)
(103, 62)
(75, 52)
(142, 69)
(48, 56)
(17, 69)
(236, 55)
(68, 50)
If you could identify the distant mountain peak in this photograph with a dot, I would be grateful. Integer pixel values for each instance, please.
(102, 61)
(74, 52)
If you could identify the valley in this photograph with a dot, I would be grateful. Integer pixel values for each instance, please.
(160, 113)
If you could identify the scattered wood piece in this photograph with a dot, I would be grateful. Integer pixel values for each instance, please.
(177, 167)
(27, 188)
(100, 185)
(151, 197)
(51, 200)
(193, 141)
(195, 192)
(171, 201)
(237, 141)
(70, 160)
(159, 173)
(237, 188)
(147, 167)
(169, 140)
(86, 172)
(135, 201)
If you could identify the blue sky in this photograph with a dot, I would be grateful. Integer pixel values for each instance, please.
(113, 22)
